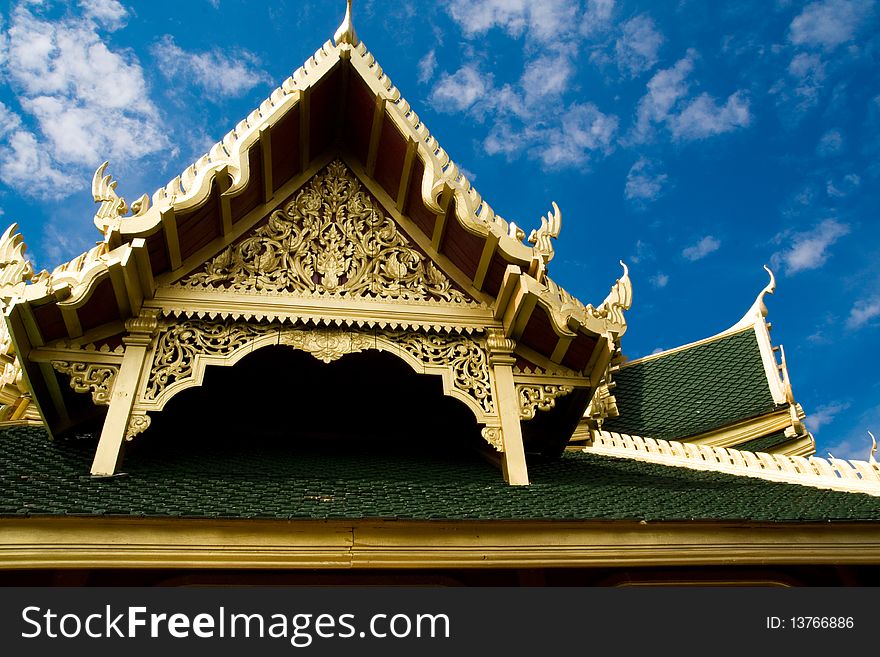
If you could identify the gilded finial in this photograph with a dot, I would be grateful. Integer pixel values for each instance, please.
(758, 311)
(769, 289)
(346, 33)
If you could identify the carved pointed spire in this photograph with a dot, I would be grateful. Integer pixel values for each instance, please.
(345, 33)
(618, 300)
(549, 230)
(758, 310)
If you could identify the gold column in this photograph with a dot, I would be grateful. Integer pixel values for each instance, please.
(513, 457)
(108, 456)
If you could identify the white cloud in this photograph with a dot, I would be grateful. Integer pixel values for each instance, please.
(9, 121)
(809, 249)
(643, 253)
(427, 66)
(829, 23)
(704, 117)
(701, 249)
(660, 280)
(597, 16)
(108, 12)
(830, 143)
(844, 187)
(824, 415)
(543, 22)
(25, 165)
(636, 49)
(545, 76)
(698, 118)
(584, 130)
(88, 102)
(643, 183)
(863, 312)
(808, 74)
(665, 89)
(461, 90)
(216, 71)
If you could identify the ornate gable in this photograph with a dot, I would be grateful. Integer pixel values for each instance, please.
(332, 239)
(329, 221)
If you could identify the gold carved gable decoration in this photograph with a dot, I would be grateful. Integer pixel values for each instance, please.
(333, 239)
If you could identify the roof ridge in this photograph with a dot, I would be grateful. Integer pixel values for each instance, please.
(816, 472)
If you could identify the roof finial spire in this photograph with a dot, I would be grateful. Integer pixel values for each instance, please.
(346, 33)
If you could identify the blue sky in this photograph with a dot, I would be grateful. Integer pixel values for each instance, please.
(695, 140)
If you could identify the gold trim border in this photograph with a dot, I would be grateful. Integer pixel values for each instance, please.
(267, 544)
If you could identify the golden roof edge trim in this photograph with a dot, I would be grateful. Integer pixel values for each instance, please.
(816, 472)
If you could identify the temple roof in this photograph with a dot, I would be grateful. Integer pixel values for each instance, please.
(692, 390)
(222, 478)
(728, 390)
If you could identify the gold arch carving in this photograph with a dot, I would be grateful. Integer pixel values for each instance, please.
(184, 350)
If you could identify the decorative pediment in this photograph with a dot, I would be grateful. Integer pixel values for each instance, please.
(333, 239)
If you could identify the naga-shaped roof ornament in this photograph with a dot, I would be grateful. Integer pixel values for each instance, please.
(549, 230)
(112, 206)
(15, 268)
(618, 300)
(871, 458)
(758, 310)
(345, 33)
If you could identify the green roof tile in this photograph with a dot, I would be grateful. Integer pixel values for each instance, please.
(263, 478)
(694, 390)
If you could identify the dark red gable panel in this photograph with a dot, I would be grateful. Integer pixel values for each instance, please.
(392, 153)
(199, 226)
(100, 308)
(252, 195)
(324, 113)
(415, 208)
(579, 352)
(50, 321)
(539, 334)
(284, 138)
(358, 118)
(461, 247)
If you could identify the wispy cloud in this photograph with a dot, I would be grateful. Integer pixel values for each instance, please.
(809, 249)
(637, 47)
(576, 130)
(705, 117)
(539, 21)
(427, 66)
(597, 16)
(863, 313)
(643, 183)
(824, 415)
(459, 91)
(666, 103)
(220, 72)
(660, 280)
(830, 143)
(87, 101)
(110, 13)
(829, 23)
(701, 249)
(843, 187)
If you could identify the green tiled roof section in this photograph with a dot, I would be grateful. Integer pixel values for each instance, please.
(694, 390)
(765, 443)
(265, 479)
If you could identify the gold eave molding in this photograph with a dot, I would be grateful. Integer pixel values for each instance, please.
(63, 542)
(829, 474)
(325, 310)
